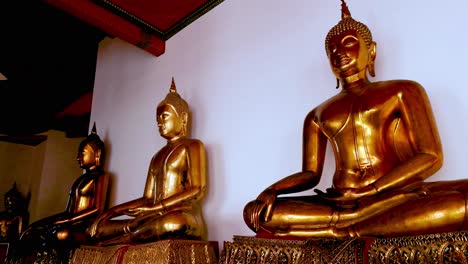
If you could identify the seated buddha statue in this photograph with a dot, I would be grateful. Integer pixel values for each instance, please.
(385, 144)
(86, 200)
(170, 207)
(15, 217)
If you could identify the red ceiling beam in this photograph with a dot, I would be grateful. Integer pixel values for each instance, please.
(110, 23)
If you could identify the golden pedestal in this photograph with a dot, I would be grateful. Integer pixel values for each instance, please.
(3, 251)
(160, 252)
(262, 251)
(434, 248)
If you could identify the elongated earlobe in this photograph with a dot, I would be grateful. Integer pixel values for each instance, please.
(97, 156)
(184, 123)
(372, 55)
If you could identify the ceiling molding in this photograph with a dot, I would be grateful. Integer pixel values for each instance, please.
(152, 27)
(110, 23)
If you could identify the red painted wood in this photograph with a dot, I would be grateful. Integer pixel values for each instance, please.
(110, 23)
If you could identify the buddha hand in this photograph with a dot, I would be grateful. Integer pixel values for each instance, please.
(263, 204)
(139, 210)
(92, 230)
(347, 195)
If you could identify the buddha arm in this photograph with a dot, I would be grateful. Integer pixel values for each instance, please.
(20, 224)
(196, 172)
(97, 189)
(313, 155)
(138, 206)
(196, 165)
(416, 115)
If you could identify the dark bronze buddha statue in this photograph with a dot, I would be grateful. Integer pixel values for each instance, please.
(86, 200)
(15, 217)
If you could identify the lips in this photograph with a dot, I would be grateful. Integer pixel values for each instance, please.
(342, 60)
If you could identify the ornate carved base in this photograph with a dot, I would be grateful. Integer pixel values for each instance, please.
(161, 252)
(434, 248)
(49, 255)
(261, 250)
(3, 251)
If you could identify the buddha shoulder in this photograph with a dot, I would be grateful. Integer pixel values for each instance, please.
(186, 144)
(396, 85)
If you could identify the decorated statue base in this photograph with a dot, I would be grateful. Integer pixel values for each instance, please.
(3, 251)
(434, 248)
(161, 252)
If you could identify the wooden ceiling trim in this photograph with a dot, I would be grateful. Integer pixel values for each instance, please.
(179, 22)
(112, 24)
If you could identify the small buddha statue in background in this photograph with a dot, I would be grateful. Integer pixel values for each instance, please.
(170, 207)
(15, 217)
(86, 200)
(385, 143)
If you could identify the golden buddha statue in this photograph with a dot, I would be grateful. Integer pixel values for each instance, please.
(15, 217)
(175, 185)
(385, 143)
(86, 200)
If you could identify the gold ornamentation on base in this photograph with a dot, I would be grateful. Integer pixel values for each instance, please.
(435, 248)
(161, 252)
(428, 249)
(263, 251)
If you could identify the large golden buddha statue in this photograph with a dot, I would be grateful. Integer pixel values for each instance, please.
(86, 200)
(175, 185)
(385, 143)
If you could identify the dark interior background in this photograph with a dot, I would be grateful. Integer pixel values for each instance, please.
(48, 54)
(49, 60)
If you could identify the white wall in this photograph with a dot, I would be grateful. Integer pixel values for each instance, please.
(47, 170)
(251, 71)
(20, 164)
(59, 170)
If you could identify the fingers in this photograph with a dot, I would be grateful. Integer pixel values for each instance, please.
(256, 215)
(267, 216)
(92, 230)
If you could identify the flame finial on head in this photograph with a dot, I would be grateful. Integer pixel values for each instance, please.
(174, 100)
(93, 131)
(173, 88)
(344, 10)
(13, 192)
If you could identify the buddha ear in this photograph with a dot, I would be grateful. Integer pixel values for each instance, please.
(372, 55)
(184, 117)
(97, 156)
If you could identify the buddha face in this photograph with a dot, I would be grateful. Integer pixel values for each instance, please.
(11, 203)
(86, 157)
(170, 123)
(348, 53)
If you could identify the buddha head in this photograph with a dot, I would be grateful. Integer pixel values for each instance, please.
(172, 115)
(91, 151)
(350, 47)
(13, 200)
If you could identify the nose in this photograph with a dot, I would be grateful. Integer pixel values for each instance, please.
(340, 51)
